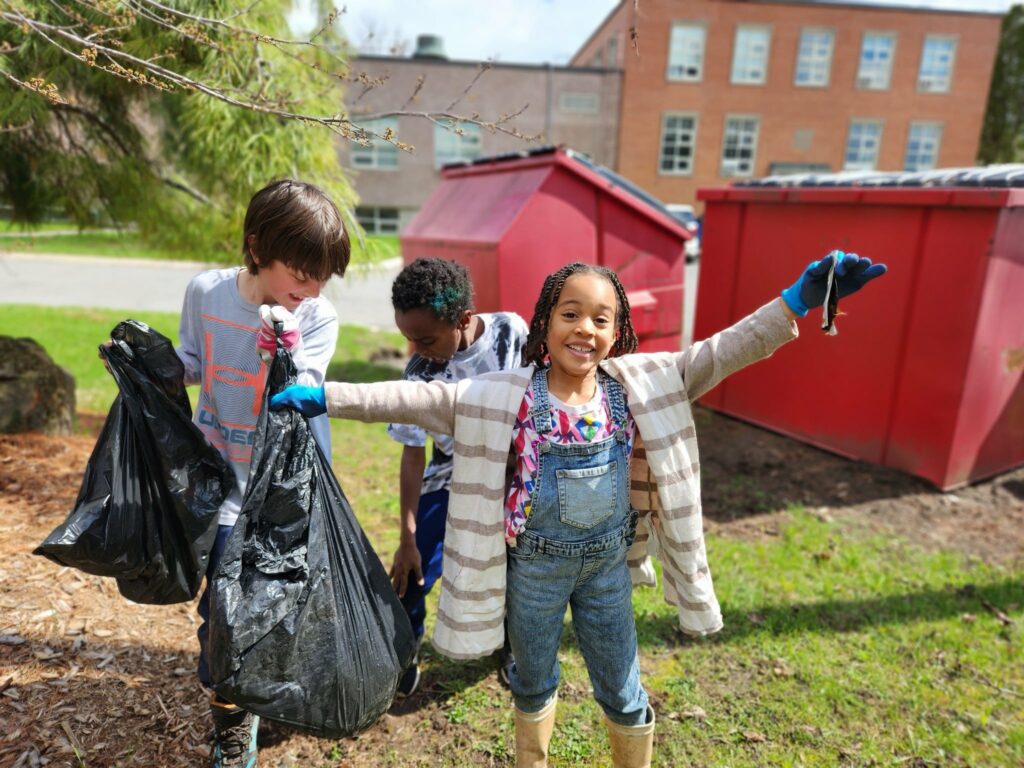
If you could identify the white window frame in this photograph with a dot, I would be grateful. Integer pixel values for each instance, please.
(686, 59)
(579, 102)
(936, 140)
(743, 61)
(932, 85)
(859, 164)
(677, 171)
(815, 62)
(729, 167)
(378, 223)
(864, 80)
(379, 155)
(455, 143)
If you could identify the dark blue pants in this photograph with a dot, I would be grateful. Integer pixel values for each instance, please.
(204, 602)
(431, 516)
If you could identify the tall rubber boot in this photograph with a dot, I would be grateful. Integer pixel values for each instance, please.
(533, 734)
(632, 745)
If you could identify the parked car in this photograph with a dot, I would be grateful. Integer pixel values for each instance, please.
(686, 215)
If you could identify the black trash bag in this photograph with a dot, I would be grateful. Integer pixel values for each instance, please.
(148, 507)
(305, 627)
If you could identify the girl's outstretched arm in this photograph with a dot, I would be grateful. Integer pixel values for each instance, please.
(705, 363)
(430, 405)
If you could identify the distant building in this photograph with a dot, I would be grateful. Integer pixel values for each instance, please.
(577, 106)
(725, 89)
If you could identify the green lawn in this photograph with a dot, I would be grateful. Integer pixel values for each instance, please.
(376, 248)
(840, 648)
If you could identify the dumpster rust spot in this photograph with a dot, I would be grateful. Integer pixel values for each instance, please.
(1014, 359)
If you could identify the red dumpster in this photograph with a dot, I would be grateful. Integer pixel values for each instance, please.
(511, 220)
(926, 373)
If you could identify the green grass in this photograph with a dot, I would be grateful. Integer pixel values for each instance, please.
(10, 227)
(377, 248)
(839, 648)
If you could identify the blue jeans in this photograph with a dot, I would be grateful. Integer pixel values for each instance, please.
(573, 553)
(204, 602)
(431, 516)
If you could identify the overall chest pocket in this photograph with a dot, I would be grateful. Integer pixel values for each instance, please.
(587, 496)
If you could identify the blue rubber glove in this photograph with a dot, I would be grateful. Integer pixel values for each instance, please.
(852, 273)
(309, 401)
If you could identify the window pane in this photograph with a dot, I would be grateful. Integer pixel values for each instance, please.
(936, 64)
(686, 53)
(876, 56)
(378, 153)
(458, 143)
(378, 221)
(750, 55)
(739, 146)
(922, 146)
(862, 145)
(814, 57)
(678, 137)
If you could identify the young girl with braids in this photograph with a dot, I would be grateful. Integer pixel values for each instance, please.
(565, 473)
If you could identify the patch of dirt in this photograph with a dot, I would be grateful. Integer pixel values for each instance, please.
(81, 667)
(750, 475)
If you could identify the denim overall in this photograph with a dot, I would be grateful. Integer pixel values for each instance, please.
(573, 552)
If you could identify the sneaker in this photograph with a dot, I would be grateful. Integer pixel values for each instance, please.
(234, 735)
(410, 679)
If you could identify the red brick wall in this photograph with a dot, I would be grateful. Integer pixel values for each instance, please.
(784, 108)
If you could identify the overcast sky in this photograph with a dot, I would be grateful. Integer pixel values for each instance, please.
(528, 31)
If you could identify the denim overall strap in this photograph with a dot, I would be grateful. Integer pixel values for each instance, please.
(616, 402)
(541, 411)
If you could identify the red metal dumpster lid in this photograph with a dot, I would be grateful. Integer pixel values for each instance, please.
(604, 178)
(988, 186)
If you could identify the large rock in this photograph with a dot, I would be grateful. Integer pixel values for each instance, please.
(36, 394)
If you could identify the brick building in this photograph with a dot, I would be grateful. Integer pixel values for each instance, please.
(576, 106)
(733, 88)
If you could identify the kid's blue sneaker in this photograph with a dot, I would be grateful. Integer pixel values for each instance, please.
(234, 735)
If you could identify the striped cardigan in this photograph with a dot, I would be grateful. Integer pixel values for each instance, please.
(665, 475)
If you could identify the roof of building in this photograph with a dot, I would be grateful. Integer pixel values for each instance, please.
(863, 4)
(476, 63)
(1010, 175)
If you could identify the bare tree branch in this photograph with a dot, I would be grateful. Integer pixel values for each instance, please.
(99, 46)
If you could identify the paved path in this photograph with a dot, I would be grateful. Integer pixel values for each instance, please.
(362, 297)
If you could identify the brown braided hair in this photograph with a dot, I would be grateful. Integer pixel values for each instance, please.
(536, 349)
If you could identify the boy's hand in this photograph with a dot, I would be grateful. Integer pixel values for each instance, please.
(309, 401)
(266, 339)
(852, 273)
(407, 560)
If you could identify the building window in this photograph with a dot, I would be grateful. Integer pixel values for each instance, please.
(456, 143)
(936, 64)
(876, 55)
(862, 145)
(750, 55)
(678, 144)
(739, 146)
(582, 103)
(814, 57)
(613, 51)
(922, 146)
(379, 153)
(686, 53)
(378, 221)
